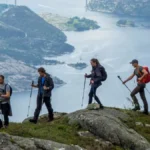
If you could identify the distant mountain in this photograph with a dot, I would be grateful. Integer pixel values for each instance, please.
(122, 7)
(19, 75)
(25, 39)
(41, 38)
(7, 31)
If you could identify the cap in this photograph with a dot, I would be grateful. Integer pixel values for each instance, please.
(134, 61)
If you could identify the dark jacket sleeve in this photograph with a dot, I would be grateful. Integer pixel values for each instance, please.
(89, 76)
(39, 80)
(51, 84)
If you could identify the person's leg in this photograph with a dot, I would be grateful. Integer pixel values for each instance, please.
(38, 109)
(1, 124)
(96, 97)
(143, 97)
(5, 111)
(91, 95)
(47, 101)
(135, 100)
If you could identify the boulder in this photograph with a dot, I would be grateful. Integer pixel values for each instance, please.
(8, 142)
(57, 115)
(108, 125)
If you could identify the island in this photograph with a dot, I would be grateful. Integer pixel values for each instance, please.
(70, 24)
(78, 66)
(125, 23)
(138, 8)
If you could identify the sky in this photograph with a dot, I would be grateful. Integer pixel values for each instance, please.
(53, 6)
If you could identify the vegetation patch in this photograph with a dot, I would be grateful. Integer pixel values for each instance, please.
(82, 24)
(139, 122)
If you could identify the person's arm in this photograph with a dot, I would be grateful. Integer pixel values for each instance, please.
(88, 76)
(51, 85)
(7, 95)
(130, 78)
(35, 86)
(144, 74)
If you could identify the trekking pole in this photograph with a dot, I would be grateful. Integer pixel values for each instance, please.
(83, 91)
(124, 84)
(147, 90)
(30, 99)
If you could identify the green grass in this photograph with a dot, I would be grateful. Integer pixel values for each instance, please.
(139, 117)
(58, 131)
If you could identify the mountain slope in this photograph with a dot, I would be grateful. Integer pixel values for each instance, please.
(41, 38)
(7, 31)
(122, 7)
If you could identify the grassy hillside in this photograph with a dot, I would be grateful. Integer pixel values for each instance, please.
(60, 131)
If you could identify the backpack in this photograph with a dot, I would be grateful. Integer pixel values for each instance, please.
(1, 123)
(104, 73)
(146, 79)
(11, 90)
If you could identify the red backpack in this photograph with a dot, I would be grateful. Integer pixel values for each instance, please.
(146, 79)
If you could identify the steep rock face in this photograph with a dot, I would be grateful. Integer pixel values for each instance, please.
(8, 142)
(107, 125)
(122, 7)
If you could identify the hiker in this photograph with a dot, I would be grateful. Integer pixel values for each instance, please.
(140, 72)
(45, 86)
(98, 74)
(5, 94)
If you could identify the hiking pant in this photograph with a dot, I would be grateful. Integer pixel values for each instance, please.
(140, 89)
(5, 111)
(40, 101)
(93, 94)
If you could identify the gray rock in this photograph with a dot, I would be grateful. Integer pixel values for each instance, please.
(147, 125)
(107, 124)
(57, 115)
(139, 124)
(100, 143)
(8, 142)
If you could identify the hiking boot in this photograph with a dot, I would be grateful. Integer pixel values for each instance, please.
(145, 112)
(51, 118)
(101, 107)
(33, 121)
(137, 107)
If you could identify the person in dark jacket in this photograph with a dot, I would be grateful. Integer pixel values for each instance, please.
(95, 82)
(45, 86)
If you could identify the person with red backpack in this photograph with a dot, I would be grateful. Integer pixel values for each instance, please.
(143, 77)
(98, 75)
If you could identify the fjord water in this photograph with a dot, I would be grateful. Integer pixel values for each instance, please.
(115, 47)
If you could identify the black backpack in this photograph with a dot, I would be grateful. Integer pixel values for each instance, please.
(11, 90)
(1, 123)
(104, 73)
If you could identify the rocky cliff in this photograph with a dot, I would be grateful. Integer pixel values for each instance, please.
(108, 129)
(122, 7)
